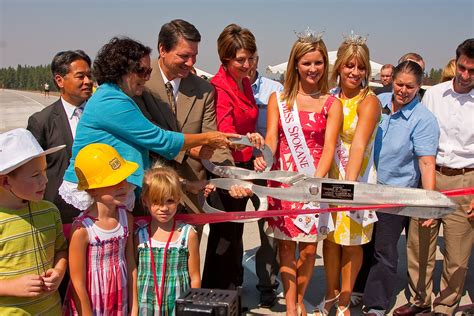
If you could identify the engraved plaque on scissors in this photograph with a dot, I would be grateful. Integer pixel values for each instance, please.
(337, 191)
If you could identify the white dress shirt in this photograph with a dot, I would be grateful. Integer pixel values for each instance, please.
(73, 114)
(174, 83)
(455, 115)
(262, 89)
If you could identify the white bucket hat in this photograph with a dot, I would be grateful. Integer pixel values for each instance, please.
(19, 146)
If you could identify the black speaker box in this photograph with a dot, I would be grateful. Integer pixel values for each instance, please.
(208, 302)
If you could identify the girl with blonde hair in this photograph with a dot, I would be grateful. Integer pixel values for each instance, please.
(304, 106)
(168, 251)
(342, 249)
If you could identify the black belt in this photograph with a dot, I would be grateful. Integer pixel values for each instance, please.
(452, 171)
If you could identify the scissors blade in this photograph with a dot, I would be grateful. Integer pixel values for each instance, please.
(343, 192)
(357, 193)
(226, 184)
(232, 172)
(407, 201)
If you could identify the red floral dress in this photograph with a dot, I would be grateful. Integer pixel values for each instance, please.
(314, 127)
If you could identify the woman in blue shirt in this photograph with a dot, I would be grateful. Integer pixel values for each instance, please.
(405, 150)
(121, 68)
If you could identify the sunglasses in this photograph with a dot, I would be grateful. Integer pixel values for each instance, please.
(143, 72)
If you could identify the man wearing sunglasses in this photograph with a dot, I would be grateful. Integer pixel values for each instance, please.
(176, 99)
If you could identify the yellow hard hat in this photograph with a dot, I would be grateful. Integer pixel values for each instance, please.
(100, 165)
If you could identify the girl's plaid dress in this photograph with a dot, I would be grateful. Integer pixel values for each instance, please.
(177, 274)
(106, 269)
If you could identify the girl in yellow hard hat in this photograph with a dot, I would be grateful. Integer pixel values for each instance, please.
(101, 256)
(165, 247)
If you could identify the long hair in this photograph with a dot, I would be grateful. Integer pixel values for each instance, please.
(299, 49)
(347, 51)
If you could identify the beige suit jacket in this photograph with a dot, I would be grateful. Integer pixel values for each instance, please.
(195, 113)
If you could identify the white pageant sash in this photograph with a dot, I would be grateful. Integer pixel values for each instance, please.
(341, 158)
(290, 121)
(304, 161)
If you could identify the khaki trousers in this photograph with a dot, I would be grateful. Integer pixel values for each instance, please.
(458, 234)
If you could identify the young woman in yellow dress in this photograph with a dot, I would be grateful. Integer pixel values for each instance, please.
(353, 161)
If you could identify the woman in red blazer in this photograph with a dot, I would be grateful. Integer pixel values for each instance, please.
(237, 112)
(235, 105)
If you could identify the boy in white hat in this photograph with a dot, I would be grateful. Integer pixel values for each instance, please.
(33, 256)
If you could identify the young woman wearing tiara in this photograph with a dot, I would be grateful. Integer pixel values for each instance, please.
(342, 251)
(304, 106)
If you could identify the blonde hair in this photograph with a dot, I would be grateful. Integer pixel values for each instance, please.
(159, 184)
(292, 79)
(347, 51)
(449, 71)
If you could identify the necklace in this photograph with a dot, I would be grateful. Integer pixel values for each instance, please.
(310, 94)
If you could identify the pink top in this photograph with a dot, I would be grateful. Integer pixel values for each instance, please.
(314, 128)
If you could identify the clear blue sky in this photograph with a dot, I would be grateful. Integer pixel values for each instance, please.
(32, 31)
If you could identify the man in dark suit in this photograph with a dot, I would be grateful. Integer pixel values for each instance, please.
(56, 124)
(176, 99)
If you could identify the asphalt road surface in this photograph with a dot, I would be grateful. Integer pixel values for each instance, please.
(17, 106)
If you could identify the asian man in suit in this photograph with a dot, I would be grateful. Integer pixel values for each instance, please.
(56, 124)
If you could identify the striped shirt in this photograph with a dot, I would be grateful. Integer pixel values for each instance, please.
(177, 280)
(28, 247)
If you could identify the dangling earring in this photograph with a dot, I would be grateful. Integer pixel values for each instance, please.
(338, 80)
(364, 83)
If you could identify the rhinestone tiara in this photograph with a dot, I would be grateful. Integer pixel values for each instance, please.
(309, 36)
(355, 39)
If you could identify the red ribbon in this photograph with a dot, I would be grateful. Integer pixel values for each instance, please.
(199, 219)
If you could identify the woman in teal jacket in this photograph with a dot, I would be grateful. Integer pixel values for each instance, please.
(111, 117)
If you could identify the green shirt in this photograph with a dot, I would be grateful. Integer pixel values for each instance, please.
(27, 248)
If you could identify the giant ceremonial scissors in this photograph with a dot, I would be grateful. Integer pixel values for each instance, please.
(406, 201)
